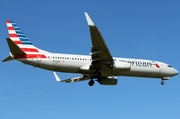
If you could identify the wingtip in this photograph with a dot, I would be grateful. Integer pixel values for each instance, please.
(56, 77)
(89, 21)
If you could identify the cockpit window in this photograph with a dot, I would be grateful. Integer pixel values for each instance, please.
(169, 65)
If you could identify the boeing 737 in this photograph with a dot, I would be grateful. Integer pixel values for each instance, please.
(99, 66)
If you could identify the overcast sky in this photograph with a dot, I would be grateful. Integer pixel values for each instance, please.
(148, 29)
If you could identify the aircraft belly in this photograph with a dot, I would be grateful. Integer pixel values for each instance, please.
(66, 67)
(44, 64)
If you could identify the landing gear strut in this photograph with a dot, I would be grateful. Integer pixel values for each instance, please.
(91, 82)
(97, 74)
(162, 82)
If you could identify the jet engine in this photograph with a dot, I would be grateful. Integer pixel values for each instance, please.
(110, 80)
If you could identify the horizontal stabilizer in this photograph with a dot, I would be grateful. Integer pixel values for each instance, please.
(14, 48)
(7, 59)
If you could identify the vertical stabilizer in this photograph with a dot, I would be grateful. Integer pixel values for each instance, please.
(20, 46)
(19, 38)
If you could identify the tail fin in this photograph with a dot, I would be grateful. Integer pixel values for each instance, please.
(19, 38)
(20, 46)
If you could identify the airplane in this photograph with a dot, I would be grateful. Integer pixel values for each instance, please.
(98, 66)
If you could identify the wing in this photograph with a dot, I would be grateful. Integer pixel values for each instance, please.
(70, 80)
(100, 53)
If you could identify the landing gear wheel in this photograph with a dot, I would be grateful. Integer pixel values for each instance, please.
(162, 82)
(91, 82)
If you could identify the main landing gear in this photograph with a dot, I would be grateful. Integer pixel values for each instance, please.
(97, 74)
(162, 82)
(91, 82)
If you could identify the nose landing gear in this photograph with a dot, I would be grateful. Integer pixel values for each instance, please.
(164, 78)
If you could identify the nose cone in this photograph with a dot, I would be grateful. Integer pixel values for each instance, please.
(175, 72)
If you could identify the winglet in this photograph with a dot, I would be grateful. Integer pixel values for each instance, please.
(57, 78)
(89, 21)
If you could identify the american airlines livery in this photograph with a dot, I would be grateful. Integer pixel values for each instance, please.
(99, 66)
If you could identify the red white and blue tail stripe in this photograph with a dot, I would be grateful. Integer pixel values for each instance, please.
(20, 46)
(19, 38)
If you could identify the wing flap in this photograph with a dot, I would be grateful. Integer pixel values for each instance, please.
(70, 80)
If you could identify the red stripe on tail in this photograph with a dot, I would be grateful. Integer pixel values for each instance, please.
(8, 21)
(10, 28)
(13, 35)
(29, 50)
(30, 56)
(17, 42)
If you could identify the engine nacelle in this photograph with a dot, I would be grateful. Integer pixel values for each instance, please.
(122, 66)
(110, 80)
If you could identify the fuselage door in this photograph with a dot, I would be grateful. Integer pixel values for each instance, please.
(161, 70)
(39, 57)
